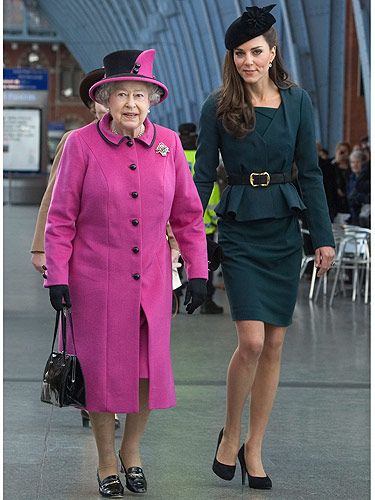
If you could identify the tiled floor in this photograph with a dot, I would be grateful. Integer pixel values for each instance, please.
(317, 443)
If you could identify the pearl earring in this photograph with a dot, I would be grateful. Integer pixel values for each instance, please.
(149, 111)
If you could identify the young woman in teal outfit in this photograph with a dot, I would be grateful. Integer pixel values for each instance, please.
(261, 123)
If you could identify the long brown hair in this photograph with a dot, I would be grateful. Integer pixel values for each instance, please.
(234, 109)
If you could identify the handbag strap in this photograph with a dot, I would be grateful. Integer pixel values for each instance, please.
(57, 321)
(63, 331)
(61, 318)
(67, 312)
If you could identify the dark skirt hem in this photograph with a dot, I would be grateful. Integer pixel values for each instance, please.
(245, 316)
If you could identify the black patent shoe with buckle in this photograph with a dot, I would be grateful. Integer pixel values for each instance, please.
(111, 487)
(224, 471)
(135, 478)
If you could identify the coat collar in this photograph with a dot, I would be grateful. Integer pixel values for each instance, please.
(105, 132)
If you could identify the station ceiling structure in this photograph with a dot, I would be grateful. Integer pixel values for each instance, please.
(188, 36)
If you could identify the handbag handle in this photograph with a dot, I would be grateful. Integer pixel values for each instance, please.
(57, 321)
(61, 317)
(67, 312)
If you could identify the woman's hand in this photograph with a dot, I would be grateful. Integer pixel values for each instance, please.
(175, 255)
(324, 259)
(59, 296)
(38, 260)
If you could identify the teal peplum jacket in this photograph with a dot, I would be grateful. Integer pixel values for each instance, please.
(290, 137)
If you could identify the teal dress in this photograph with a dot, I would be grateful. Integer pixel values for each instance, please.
(258, 226)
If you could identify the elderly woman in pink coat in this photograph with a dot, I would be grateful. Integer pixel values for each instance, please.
(120, 181)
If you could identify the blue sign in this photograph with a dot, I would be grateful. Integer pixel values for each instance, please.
(56, 127)
(25, 79)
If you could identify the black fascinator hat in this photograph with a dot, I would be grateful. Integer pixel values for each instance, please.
(254, 22)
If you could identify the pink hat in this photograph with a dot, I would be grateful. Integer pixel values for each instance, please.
(133, 65)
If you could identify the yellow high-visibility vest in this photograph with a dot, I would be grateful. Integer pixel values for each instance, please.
(210, 217)
(190, 156)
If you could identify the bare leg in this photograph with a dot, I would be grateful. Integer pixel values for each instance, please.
(241, 372)
(103, 426)
(134, 427)
(263, 394)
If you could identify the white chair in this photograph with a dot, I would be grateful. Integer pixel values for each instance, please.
(353, 255)
(362, 261)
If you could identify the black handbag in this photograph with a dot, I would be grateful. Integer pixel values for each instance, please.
(63, 383)
(215, 255)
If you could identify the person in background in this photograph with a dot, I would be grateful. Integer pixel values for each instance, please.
(329, 180)
(367, 154)
(358, 186)
(119, 183)
(261, 122)
(342, 171)
(210, 224)
(188, 136)
(364, 143)
(38, 257)
(365, 148)
(177, 263)
(188, 140)
(367, 163)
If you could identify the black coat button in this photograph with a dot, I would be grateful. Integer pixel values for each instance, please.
(135, 222)
(132, 166)
(135, 249)
(136, 276)
(134, 194)
(130, 143)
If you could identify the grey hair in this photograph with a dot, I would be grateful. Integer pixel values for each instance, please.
(357, 155)
(102, 94)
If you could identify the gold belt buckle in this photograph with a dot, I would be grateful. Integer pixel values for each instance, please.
(262, 184)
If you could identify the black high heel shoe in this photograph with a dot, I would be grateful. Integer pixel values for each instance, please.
(110, 486)
(135, 478)
(225, 472)
(258, 483)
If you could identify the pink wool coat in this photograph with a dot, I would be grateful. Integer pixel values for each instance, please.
(106, 238)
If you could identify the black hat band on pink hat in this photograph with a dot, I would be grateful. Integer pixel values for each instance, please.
(254, 22)
(129, 65)
(87, 82)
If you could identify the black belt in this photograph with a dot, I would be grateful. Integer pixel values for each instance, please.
(259, 179)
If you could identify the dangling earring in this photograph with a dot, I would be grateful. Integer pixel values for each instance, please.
(149, 111)
(270, 64)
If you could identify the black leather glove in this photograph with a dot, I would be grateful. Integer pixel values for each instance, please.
(215, 255)
(196, 293)
(59, 296)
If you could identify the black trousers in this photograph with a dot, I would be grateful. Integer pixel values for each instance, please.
(210, 286)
